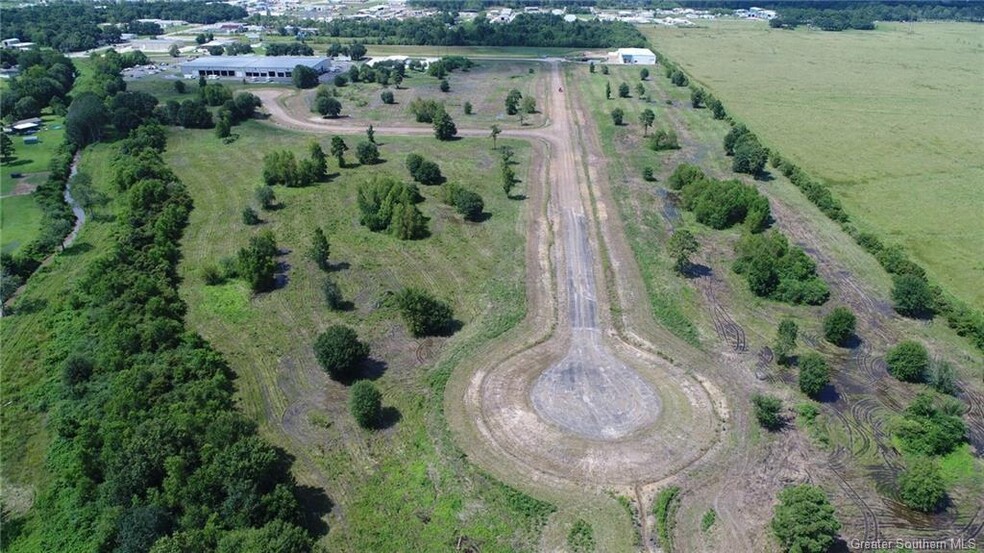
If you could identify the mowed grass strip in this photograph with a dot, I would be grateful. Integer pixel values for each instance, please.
(890, 117)
(402, 487)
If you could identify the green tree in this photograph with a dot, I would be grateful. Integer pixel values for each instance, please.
(804, 520)
(469, 204)
(617, 116)
(467, 108)
(685, 174)
(911, 295)
(814, 374)
(444, 128)
(250, 216)
(942, 378)
(407, 222)
(332, 294)
(529, 104)
(604, 70)
(339, 351)
(387, 97)
(265, 196)
(767, 411)
(424, 314)
(591, 67)
(338, 149)
(180, 87)
(921, 485)
(174, 51)
(785, 342)
(320, 249)
(731, 139)
(304, 77)
(647, 118)
(367, 153)
(696, 97)
(623, 90)
(508, 177)
(681, 246)
(328, 106)
(608, 90)
(256, 262)
(908, 361)
(750, 157)
(365, 403)
(86, 119)
(223, 128)
(647, 174)
(371, 134)
(6, 148)
(320, 160)
(838, 326)
(445, 86)
(643, 74)
(716, 107)
(640, 91)
(495, 134)
(512, 101)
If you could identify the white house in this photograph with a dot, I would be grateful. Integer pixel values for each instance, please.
(632, 56)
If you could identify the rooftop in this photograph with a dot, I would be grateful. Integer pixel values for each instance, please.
(635, 52)
(237, 62)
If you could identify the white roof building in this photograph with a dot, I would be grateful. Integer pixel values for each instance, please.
(632, 56)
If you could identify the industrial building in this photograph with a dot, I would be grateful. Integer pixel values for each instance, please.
(632, 56)
(279, 68)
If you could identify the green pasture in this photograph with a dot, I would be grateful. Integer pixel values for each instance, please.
(891, 118)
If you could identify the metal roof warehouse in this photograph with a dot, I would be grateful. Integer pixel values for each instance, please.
(272, 67)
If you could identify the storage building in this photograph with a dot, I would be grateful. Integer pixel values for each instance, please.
(632, 56)
(279, 68)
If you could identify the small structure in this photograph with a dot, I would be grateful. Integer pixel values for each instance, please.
(632, 56)
(156, 44)
(252, 67)
(26, 126)
(30, 139)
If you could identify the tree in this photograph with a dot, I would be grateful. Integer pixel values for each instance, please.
(320, 249)
(387, 97)
(908, 361)
(678, 78)
(804, 520)
(469, 204)
(838, 326)
(317, 155)
(424, 314)
(640, 91)
(357, 51)
(445, 86)
(617, 116)
(529, 104)
(750, 156)
(85, 120)
(179, 87)
(716, 107)
(608, 90)
(604, 69)
(304, 77)
(367, 153)
(508, 177)
(785, 340)
(339, 80)
(339, 351)
(643, 74)
(814, 374)
(731, 139)
(265, 196)
(467, 108)
(512, 101)
(623, 90)
(444, 128)
(495, 134)
(328, 106)
(333, 294)
(256, 262)
(683, 175)
(591, 67)
(365, 403)
(174, 51)
(250, 217)
(371, 134)
(223, 128)
(647, 174)
(681, 246)
(647, 118)
(911, 295)
(767, 410)
(921, 485)
(424, 171)
(338, 149)
(696, 97)
(6, 148)
(280, 167)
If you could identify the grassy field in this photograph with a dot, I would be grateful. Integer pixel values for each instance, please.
(403, 486)
(890, 117)
(20, 213)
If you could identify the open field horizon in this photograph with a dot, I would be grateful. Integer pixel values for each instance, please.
(890, 118)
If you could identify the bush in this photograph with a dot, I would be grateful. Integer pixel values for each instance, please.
(943, 379)
(581, 537)
(424, 314)
(387, 97)
(328, 106)
(332, 294)
(339, 351)
(212, 274)
(838, 326)
(708, 520)
(685, 174)
(387, 204)
(365, 403)
(424, 110)
(814, 374)
(618, 115)
(911, 295)
(926, 428)
(256, 262)
(469, 204)
(250, 217)
(664, 508)
(266, 197)
(908, 361)
(804, 520)
(776, 270)
(921, 486)
(424, 171)
(663, 139)
(767, 410)
(367, 153)
(750, 156)
(647, 174)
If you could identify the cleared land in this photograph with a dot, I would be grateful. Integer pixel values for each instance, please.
(890, 117)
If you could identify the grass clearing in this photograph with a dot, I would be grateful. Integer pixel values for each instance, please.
(900, 145)
(20, 220)
(404, 484)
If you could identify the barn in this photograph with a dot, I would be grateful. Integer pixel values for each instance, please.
(279, 68)
(632, 56)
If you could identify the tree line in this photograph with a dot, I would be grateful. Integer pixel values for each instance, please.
(841, 16)
(70, 27)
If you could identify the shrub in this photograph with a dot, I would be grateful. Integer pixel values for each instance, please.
(332, 294)
(685, 174)
(387, 97)
(943, 379)
(708, 520)
(467, 108)
(424, 110)
(250, 217)
(266, 197)
(367, 153)
(581, 537)
(339, 351)
(908, 361)
(926, 428)
(424, 314)
(665, 506)
(365, 403)
(767, 410)
(469, 204)
(911, 295)
(838, 326)
(663, 139)
(256, 262)
(212, 274)
(424, 171)
(921, 486)
(814, 374)
(750, 157)
(384, 202)
(618, 115)
(777, 270)
(647, 174)
(804, 520)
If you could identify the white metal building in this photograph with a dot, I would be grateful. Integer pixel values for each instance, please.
(632, 56)
(249, 67)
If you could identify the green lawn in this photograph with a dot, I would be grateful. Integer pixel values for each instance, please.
(404, 486)
(19, 221)
(890, 117)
